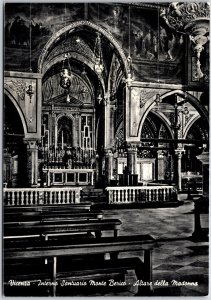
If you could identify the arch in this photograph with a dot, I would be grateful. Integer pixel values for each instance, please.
(65, 115)
(76, 56)
(194, 101)
(190, 125)
(165, 121)
(74, 25)
(19, 110)
(72, 119)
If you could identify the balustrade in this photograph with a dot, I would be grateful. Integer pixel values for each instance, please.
(39, 196)
(140, 194)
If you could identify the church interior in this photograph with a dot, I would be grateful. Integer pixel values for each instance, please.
(106, 149)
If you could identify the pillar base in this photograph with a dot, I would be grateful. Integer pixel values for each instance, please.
(34, 185)
(201, 235)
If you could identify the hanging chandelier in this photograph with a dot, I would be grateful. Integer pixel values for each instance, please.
(130, 75)
(98, 66)
(65, 76)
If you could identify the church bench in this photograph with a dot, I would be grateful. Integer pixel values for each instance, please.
(88, 270)
(42, 217)
(104, 246)
(61, 228)
(53, 207)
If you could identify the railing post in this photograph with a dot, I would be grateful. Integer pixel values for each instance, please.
(77, 196)
(50, 196)
(13, 198)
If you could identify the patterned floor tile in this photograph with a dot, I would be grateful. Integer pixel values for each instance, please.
(180, 259)
(168, 267)
(200, 264)
(190, 292)
(165, 275)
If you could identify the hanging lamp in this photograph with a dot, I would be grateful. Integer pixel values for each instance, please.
(129, 79)
(65, 76)
(29, 90)
(98, 66)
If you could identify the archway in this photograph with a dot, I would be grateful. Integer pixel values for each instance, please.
(15, 158)
(21, 116)
(184, 95)
(86, 98)
(154, 148)
(70, 28)
(64, 132)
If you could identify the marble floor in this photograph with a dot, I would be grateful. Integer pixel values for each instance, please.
(175, 261)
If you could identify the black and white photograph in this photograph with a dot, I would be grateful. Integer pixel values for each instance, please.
(105, 149)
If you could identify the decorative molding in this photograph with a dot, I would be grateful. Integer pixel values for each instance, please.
(18, 86)
(145, 95)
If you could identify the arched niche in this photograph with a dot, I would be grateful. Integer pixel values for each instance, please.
(189, 98)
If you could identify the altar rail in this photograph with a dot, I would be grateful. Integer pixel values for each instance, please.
(37, 196)
(140, 194)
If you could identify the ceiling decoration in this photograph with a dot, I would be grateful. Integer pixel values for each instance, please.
(72, 44)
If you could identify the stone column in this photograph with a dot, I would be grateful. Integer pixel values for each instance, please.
(108, 165)
(132, 159)
(53, 130)
(32, 162)
(177, 166)
(160, 166)
(76, 131)
(130, 174)
(106, 120)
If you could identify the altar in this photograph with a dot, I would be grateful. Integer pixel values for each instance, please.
(68, 177)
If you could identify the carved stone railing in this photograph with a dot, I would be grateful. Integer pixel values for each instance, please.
(141, 194)
(41, 196)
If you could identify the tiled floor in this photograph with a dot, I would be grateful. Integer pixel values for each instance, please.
(178, 259)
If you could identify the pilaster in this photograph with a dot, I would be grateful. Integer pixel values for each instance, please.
(32, 161)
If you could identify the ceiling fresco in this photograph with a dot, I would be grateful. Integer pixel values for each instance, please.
(156, 51)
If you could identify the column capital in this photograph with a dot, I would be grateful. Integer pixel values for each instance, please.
(179, 152)
(132, 147)
(108, 152)
(31, 143)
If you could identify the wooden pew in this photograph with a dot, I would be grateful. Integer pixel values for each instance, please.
(57, 228)
(104, 246)
(53, 207)
(42, 217)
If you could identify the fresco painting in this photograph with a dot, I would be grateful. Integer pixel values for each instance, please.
(28, 30)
